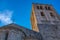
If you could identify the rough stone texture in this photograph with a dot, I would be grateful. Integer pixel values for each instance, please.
(48, 25)
(49, 32)
(16, 32)
(2, 35)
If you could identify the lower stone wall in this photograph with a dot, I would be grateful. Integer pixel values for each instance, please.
(2, 35)
(12, 33)
(49, 32)
(15, 35)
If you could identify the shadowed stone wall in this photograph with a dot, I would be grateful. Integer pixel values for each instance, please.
(14, 32)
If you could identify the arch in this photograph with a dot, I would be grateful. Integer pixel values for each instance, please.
(23, 32)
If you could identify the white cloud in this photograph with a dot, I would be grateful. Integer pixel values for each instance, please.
(5, 17)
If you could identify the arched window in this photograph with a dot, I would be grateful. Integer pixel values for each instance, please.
(49, 8)
(42, 14)
(51, 14)
(37, 7)
(41, 7)
(46, 7)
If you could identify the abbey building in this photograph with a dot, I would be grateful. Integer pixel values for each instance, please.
(45, 25)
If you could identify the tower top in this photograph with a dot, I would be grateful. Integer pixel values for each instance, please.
(43, 14)
(42, 4)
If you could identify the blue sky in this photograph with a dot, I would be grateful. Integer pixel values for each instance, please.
(19, 11)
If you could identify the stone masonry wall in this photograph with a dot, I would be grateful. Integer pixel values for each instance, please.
(49, 32)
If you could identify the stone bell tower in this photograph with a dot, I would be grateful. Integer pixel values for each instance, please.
(44, 19)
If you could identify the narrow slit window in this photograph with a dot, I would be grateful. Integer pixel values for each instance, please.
(6, 37)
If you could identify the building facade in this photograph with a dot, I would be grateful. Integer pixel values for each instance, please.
(16, 32)
(45, 26)
(45, 20)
